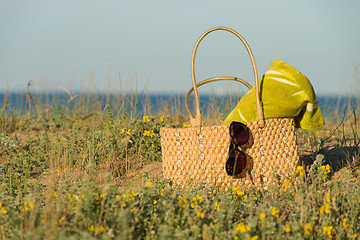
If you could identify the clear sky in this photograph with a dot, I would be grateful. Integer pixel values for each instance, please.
(79, 44)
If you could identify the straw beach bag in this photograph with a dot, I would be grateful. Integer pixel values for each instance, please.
(199, 153)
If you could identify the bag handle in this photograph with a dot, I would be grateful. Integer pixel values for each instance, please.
(196, 122)
(214, 79)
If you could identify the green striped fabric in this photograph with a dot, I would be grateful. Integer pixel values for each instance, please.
(285, 92)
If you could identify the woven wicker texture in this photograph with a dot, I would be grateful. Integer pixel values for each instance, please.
(191, 158)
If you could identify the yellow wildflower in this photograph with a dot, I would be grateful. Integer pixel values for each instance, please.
(3, 210)
(25, 208)
(235, 189)
(30, 205)
(327, 168)
(91, 228)
(149, 183)
(253, 237)
(242, 228)
(300, 170)
(292, 192)
(123, 204)
(162, 118)
(275, 212)
(133, 209)
(328, 197)
(155, 202)
(345, 224)
(149, 133)
(328, 208)
(262, 216)
(308, 228)
(200, 198)
(146, 118)
(287, 184)
(56, 194)
(200, 214)
(122, 130)
(324, 178)
(128, 132)
(76, 198)
(240, 193)
(101, 228)
(329, 231)
(186, 125)
(354, 236)
(217, 206)
(58, 169)
(287, 228)
(62, 219)
(322, 209)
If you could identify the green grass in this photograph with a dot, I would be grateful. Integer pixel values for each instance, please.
(79, 173)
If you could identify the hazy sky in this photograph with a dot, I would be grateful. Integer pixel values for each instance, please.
(79, 44)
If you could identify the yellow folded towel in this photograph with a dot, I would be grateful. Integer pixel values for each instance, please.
(285, 92)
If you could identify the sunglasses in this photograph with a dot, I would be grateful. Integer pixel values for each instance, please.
(238, 162)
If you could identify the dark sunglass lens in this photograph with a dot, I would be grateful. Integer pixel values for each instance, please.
(239, 133)
(236, 163)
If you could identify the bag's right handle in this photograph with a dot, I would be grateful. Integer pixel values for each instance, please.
(196, 122)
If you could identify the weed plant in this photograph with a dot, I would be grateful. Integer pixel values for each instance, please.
(64, 172)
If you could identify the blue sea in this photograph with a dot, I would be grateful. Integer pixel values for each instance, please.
(137, 102)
